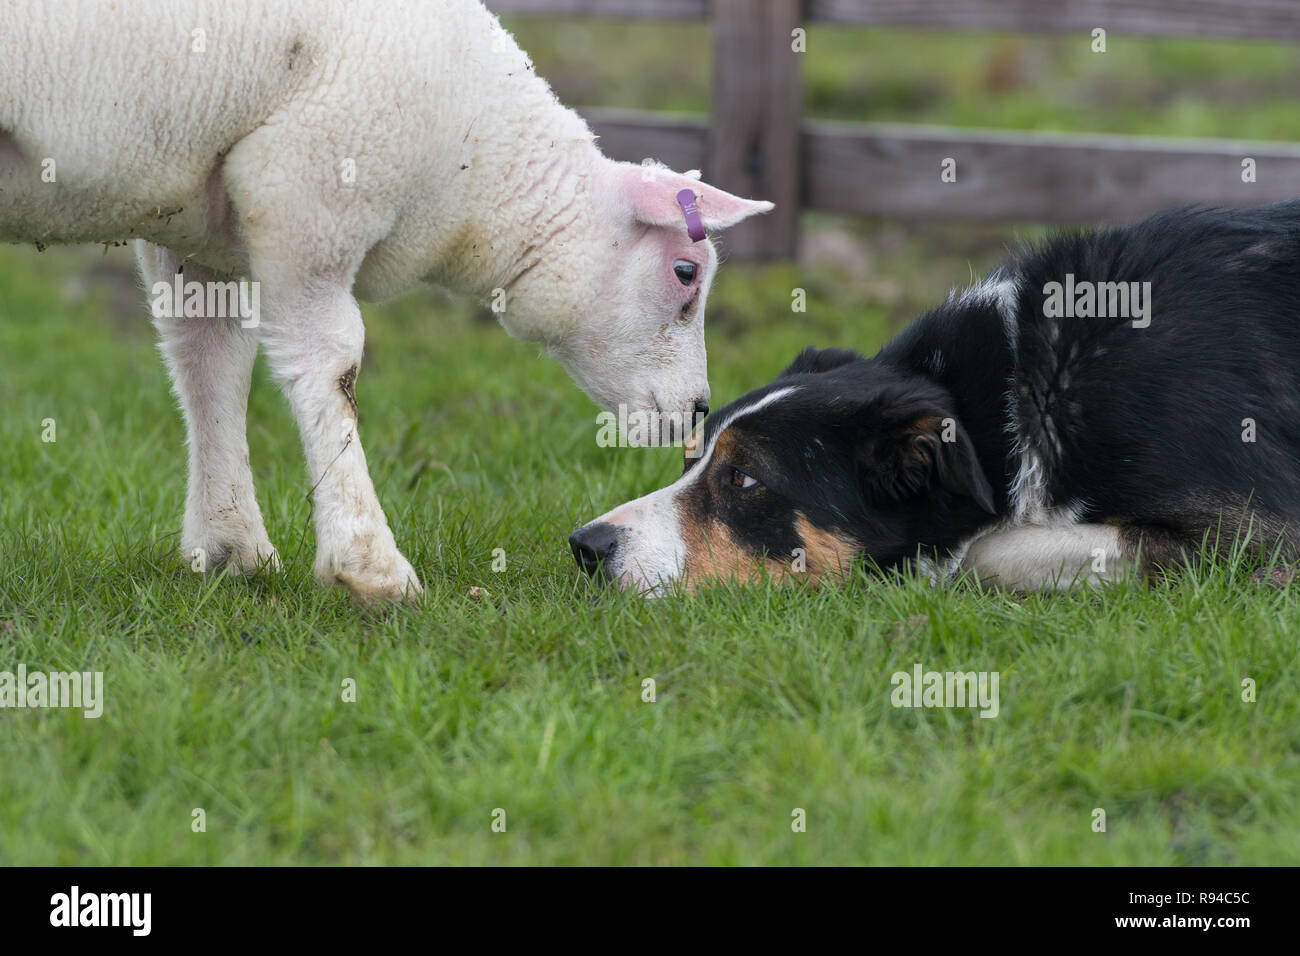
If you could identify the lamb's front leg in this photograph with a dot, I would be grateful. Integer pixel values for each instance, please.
(313, 337)
(211, 364)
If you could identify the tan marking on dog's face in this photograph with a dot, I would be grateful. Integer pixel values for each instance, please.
(712, 554)
(723, 447)
(924, 424)
(827, 552)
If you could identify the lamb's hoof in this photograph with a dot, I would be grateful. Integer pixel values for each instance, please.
(247, 558)
(1278, 576)
(397, 583)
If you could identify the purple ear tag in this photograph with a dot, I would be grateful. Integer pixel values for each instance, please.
(694, 225)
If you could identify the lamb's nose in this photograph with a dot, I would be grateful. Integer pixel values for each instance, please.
(701, 407)
(593, 545)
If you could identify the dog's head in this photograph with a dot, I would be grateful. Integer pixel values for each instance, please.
(840, 457)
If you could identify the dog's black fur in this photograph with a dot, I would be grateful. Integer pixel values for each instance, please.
(1140, 428)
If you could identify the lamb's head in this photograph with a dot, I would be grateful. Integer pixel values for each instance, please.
(636, 276)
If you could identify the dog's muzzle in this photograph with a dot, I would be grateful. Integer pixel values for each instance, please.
(593, 546)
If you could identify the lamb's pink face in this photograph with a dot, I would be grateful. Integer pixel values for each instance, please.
(644, 347)
(640, 343)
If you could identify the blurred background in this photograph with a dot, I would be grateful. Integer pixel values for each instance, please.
(1090, 112)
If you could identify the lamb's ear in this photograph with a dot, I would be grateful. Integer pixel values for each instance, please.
(813, 360)
(650, 194)
(907, 449)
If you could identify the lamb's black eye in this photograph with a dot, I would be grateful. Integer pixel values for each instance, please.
(685, 271)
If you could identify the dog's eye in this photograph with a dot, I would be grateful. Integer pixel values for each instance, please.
(741, 480)
(685, 271)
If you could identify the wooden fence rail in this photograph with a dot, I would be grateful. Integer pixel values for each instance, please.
(758, 145)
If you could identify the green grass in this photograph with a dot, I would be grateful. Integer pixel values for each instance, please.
(226, 695)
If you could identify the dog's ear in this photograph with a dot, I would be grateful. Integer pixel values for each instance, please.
(908, 445)
(813, 360)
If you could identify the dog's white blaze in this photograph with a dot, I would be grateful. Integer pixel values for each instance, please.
(651, 552)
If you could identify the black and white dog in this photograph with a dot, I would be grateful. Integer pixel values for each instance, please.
(1107, 403)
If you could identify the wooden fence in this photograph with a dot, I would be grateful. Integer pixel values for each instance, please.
(758, 145)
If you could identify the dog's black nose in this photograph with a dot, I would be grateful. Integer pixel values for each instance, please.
(593, 545)
(701, 406)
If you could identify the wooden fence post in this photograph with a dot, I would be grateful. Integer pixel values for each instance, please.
(754, 131)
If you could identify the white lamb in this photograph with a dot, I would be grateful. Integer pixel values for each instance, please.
(325, 149)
